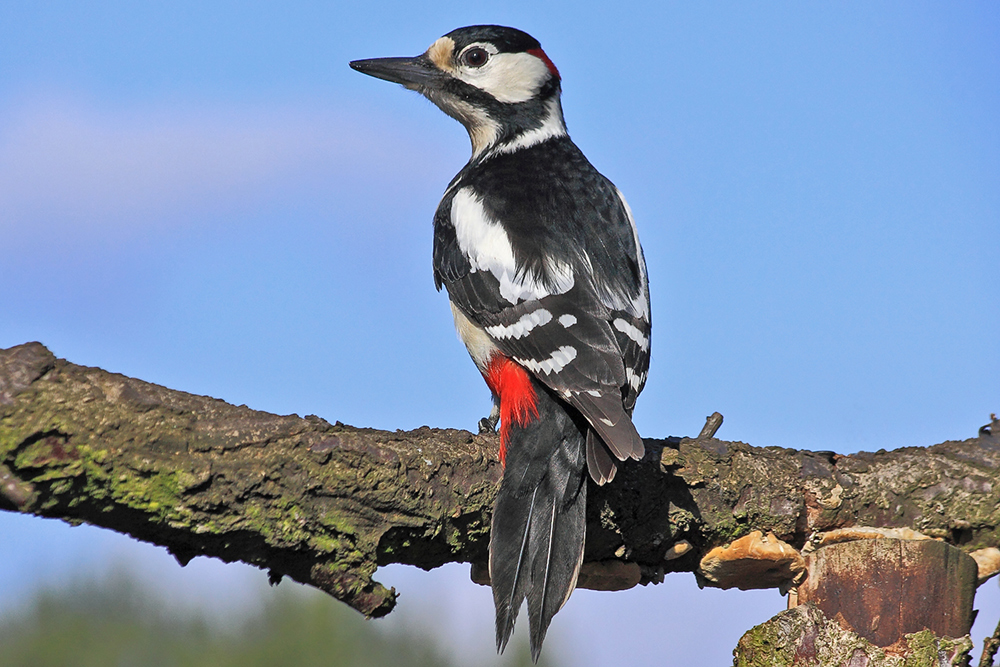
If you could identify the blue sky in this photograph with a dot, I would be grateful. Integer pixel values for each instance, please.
(205, 196)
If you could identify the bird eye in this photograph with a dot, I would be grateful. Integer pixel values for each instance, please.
(475, 57)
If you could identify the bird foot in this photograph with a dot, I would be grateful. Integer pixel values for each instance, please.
(487, 426)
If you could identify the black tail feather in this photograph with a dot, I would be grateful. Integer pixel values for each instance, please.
(606, 414)
(599, 462)
(509, 560)
(556, 563)
(539, 520)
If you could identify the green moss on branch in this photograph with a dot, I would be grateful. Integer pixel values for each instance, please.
(328, 503)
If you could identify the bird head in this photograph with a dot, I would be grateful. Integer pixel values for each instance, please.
(496, 81)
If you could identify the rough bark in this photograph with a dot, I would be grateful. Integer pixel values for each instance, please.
(326, 504)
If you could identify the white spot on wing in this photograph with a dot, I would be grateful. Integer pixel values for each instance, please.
(567, 320)
(555, 363)
(564, 355)
(634, 379)
(632, 332)
(487, 247)
(523, 326)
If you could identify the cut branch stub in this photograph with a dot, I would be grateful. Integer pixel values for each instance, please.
(883, 589)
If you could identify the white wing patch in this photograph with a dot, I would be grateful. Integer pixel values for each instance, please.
(487, 247)
(567, 320)
(632, 332)
(523, 326)
(555, 363)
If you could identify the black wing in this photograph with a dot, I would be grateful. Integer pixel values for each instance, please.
(561, 291)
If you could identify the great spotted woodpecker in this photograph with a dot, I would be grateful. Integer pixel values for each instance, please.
(541, 260)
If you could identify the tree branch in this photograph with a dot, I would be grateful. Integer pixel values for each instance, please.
(328, 503)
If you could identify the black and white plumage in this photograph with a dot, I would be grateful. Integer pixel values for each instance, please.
(541, 260)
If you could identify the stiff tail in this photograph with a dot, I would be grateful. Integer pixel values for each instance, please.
(539, 520)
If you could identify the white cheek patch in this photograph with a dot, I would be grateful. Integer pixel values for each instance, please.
(509, 77)
(487, 247)
(523, 326)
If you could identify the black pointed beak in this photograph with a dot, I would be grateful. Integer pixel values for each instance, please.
(417, 72)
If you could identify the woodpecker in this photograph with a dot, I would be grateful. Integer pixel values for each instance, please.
(541, 260)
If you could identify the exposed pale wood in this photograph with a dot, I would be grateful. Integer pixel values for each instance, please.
(883, 589)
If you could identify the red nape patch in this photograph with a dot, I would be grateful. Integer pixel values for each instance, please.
(518, 403)
(538, 53)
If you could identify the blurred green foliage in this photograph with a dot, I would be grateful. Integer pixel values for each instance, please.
(119, 623)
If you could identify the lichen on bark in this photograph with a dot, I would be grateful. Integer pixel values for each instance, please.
(326, 503)
(805, 637)
(323, 503)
